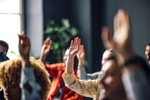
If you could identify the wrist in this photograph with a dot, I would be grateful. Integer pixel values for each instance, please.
(25, 57)
(133, 64)
(122, 57)
(80, 63)
(25, 63)
(128, 54)
(70, 57)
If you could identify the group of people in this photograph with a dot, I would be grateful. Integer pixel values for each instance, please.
(124, 74)
(24, 78)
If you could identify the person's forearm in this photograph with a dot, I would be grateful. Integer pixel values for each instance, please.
(128, 54)
(69, 65)
(25, 62)
(81, 72)
(80, 63)
(43, 58)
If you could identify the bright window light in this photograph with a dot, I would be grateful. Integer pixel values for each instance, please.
(10, 6)
(10, 24)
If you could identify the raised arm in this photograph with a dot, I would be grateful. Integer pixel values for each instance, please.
(82, 87)
(82, 74)
(45, 49)
(81, 68)
(28, 83)
(73, 50)
(81, 56)
(24, 49)
(131, 64)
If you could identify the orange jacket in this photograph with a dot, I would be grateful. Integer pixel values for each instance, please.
(56, 71)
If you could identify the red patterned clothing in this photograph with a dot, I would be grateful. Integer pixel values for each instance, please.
(56, 71)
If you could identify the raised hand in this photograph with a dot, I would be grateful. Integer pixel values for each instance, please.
(45, 49)
(73, 50)
(74, 46)
(121, 41)
(46, 46)
(81, 56)
(24, 49)
(24, 46)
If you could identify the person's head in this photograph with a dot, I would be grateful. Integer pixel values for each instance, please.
(147, 51)
(10, 72)
(4, 47)
(107, 53)
(111, 82)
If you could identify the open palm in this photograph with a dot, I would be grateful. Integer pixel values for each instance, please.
(74, 46)
(121, 39)
(46, 46)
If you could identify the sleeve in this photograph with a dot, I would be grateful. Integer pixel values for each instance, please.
(94, 75)
(76, 96)
(87, 88)
(27, 77)
(86, 76)
(54, 68)
(81, 73)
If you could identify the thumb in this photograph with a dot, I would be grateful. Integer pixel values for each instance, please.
(107, 38)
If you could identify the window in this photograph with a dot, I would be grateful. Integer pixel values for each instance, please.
(11, 24)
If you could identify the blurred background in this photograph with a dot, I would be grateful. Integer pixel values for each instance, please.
(87, 16)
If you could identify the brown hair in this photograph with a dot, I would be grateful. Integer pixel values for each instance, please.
(11, 70)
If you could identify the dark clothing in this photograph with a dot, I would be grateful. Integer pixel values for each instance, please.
(1, 95)
(3, 57)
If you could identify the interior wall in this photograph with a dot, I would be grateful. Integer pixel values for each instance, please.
(98, 21)
(34, 24)
(81, 16)
(140, 19)
(55, 10)
(90, 19)
(89, 16)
